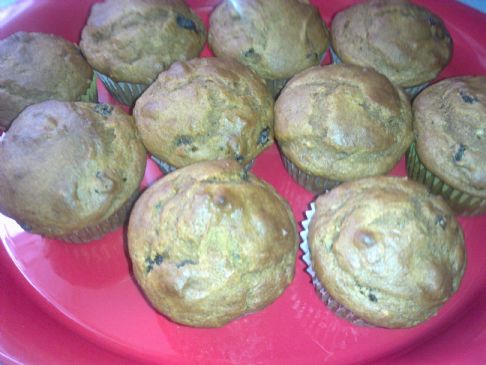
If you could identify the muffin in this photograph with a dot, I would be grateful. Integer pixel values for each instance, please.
(129, 42)
(205, 109)
(385, 251)
(210, 243)
(339, 123)
(70, 170)
(404, 41)
(275, 38)
(449, 155)
(36, 67)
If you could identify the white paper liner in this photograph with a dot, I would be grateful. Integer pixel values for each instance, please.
(332, 304)
(411, 91)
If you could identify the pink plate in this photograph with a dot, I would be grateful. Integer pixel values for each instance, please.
(63, 303)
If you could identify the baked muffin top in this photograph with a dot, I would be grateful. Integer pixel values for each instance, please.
(134, 40)
(343, 122)
(405, 42)
(450, 128)
(211, 242)
(387, 250)
(35, 67)
(68, 165)
(205, 109)
(275, 38)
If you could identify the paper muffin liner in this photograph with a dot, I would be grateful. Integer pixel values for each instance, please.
(164, 166)
(98, 230)
(460, 201)
(91, 94)
(124, 92)
(321, 291)
(411, 91)
(167, 168)
(313, 183)
(275, 86)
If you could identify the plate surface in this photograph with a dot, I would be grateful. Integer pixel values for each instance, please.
(63, 302)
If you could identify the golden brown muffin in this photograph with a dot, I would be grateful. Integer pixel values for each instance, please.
(131, 41)
(210, 243)
(339, 123)
(275, 38)
(405, 42)
(387, 250)
(449, 155)
(36, 67)
(70, 170)
(205, 109)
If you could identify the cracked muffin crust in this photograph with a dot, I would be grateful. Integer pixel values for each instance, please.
(386, 249)
(259, 34)
(70, 170)
(449, 155)
(405, 42)
(205, 109)
(210, 243)
(339, 123)
(36, 67)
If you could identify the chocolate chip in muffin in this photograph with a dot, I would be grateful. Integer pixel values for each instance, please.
(468, 98)
(459, 153)
(264, 136)
(186, 23)
(251, 54)
(157, 260)
(441, 221)
(103, 109)
(183, 140)
(372, 298)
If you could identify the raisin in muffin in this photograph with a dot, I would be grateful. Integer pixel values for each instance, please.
(449, 155)
(404, 41)
(339, 123)
(36, 67)
(389, 252)
(129, 42)
(205, 109)
(70, 170)
(210, 243)
(275, 38)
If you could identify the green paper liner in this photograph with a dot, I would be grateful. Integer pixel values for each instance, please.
(461, 202)
(411, 91)
(125, 92)
(91, 94)
(333, 305)
(98, 230)
(313, 183)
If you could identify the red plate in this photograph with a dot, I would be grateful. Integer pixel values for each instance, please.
(64, 303)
